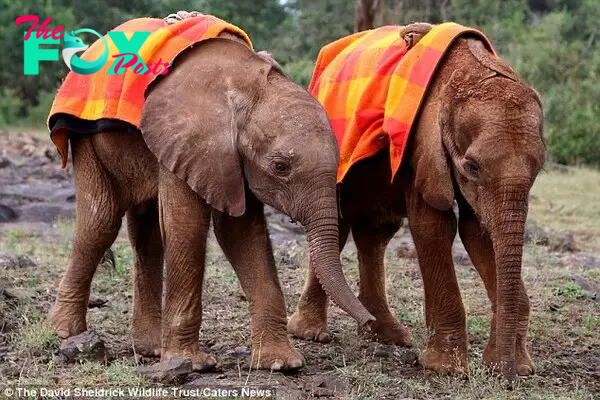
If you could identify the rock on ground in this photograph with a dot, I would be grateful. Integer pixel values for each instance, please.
(174, 370)
(11, 261)
(86, 345)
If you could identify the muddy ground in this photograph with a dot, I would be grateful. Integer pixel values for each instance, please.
(561, 269)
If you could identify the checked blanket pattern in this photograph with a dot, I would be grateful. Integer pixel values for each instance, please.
(372, 87)
(121, 97)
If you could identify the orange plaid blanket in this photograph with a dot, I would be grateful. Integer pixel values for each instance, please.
(372, 87)
(121, 97)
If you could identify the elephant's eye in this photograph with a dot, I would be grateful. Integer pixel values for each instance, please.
(472, 168)
(281, 168)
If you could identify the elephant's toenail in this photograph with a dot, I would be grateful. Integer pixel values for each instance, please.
(296, 363)
(277, 365)
(524, 370)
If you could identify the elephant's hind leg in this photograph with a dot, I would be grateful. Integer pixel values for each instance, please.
(309, 321)
(371, 242)
(145, 238)
(245, 242)
(97, 222)
(481, 250)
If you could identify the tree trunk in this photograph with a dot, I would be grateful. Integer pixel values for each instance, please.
(443, 13)
(364, 14)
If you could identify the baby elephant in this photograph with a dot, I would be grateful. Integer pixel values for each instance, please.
(222, 133)
(476, 140)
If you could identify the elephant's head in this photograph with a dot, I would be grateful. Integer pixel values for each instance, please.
(480, 139)
(227, 120)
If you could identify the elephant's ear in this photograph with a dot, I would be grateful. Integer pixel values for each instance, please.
(490, 61)
(266, 56)
(430, 161)
(192, 131)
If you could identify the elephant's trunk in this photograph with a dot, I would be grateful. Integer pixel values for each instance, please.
(324, 255)
(507, 232)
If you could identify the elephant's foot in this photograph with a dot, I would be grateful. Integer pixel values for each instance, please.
(309, 327)
(445, 359)
(147, 342)
(67, 319)
(524, 363)
(280, 356)
(391, 331)
(200, 360)
(525, 366)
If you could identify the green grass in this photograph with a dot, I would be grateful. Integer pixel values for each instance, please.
(478, 325)
(117, 373)
(566, 199)
(570, 291)
(19, 241)
(65, 228)
(37, 337)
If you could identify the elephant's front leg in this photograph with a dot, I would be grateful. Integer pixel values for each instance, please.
(481, 251)
(433, 232)
(245, 242)
(184, 222)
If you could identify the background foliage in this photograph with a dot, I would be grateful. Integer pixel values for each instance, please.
(553, 44)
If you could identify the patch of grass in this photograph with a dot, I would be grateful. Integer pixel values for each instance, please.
(591, 322)
(222, 272)
(566, 199)
(478, 385)
(117, 373)
(570, 291)
(120, 373)
(37, 338)
(66, 229)
(218, 271)
(374, 380)
(539, 257)
(540, 325)
(478, 325)
(411, 316)
(578, 394)
(19, 241)
(117, 274)
(123, 256)
(365, 385)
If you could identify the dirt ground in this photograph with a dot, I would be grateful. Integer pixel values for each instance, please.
(561, 270)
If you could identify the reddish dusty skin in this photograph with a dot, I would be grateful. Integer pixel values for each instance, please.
(232, 133)
(478, 141)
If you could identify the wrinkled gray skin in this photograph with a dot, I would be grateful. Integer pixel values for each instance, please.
(231, 132)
